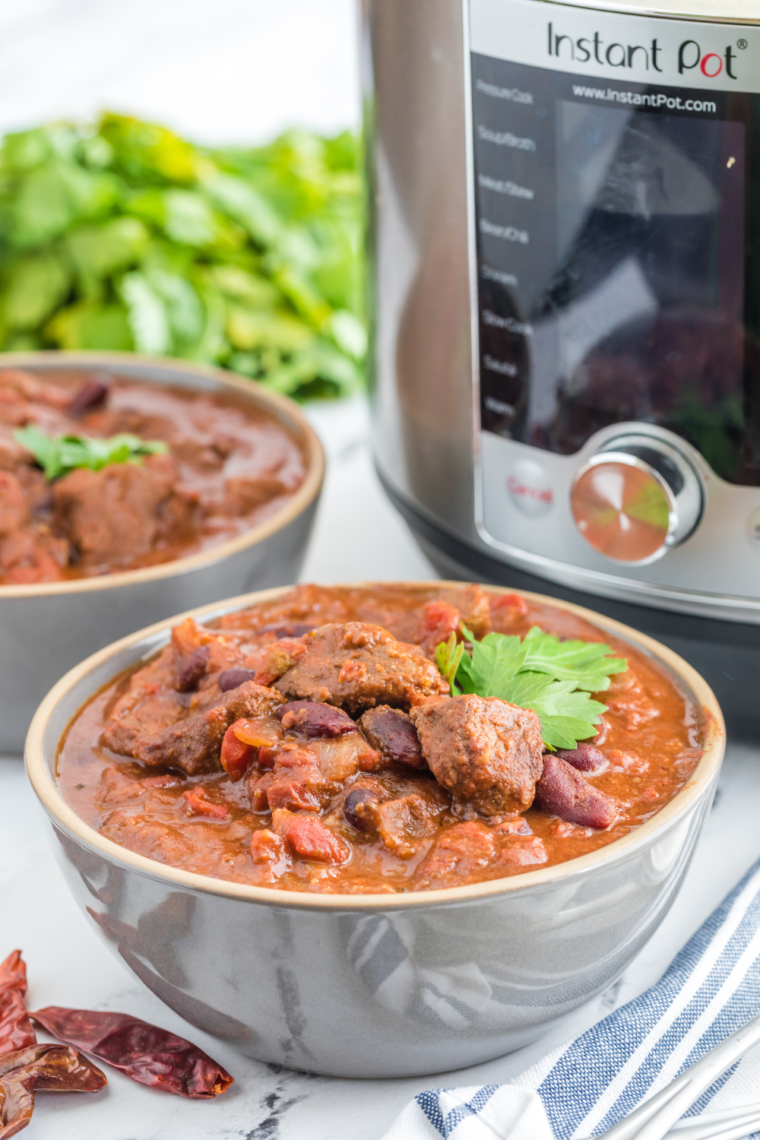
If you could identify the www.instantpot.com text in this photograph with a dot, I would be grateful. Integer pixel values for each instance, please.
(642, 99)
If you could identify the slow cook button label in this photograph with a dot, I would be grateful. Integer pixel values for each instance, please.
(529, 488)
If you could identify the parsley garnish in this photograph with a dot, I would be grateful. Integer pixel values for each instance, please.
(553, 678)
(59, 455)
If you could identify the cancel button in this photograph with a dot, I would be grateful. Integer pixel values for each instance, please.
(529, 488)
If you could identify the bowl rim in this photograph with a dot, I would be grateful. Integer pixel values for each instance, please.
(280, 407)
(46, 788)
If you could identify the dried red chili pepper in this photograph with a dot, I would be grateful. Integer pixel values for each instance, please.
(16, 1030)
(40, 1068)
(13, 973)
(147, 1054)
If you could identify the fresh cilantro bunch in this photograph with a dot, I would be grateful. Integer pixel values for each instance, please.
(553, 678)
(58, 456)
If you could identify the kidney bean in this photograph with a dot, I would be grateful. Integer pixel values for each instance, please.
(584, 757)
(314, 719)
(295, 629)
(233, 678)
(564, 792)
(192, 668)
(357, 795)
(92, 394)
(393, 734)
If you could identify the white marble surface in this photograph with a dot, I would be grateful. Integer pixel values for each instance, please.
(358, 536)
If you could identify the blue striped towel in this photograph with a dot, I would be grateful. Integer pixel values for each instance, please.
(585, 1086)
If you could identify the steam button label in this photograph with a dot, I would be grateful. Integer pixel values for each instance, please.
(529, 488)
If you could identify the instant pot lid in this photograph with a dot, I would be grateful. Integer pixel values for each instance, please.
(723, 11)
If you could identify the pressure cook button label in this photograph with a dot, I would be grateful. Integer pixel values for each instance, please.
(529, 488)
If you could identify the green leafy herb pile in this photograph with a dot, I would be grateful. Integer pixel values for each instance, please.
(122, 235)
(59, 455)
(553, 678)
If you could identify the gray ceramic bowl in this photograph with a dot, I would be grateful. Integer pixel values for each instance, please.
(372, 985)
(45, 629)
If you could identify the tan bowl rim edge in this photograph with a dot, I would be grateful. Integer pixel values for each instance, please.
(281, 406)
(47, 791)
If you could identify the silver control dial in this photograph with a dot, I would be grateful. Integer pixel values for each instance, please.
(636, 498)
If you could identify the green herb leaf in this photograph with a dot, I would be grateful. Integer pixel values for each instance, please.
(542, 673)
(119, 234)
(448, 655)
(58, 456)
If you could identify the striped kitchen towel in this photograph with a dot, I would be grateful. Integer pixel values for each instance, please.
(585, 1086)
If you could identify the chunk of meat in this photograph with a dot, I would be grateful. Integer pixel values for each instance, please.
(585, 757)
(523, 850)
(459, 853)
(357, 666)
(29, 558)
(117, 514)
(314, 719)
(564, 792)
(393, 734)
(194, 744)
(150, 837)
(14, 505)
(308, 837)
(400, 823)
(486, 752)
(149, 704)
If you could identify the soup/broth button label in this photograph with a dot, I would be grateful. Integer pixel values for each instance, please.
(529, 488)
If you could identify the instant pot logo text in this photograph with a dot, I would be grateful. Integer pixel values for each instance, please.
(687, 57)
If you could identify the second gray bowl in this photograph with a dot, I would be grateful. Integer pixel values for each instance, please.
(45, 629)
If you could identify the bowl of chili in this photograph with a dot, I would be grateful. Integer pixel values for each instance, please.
(412, 917)
(130, 487)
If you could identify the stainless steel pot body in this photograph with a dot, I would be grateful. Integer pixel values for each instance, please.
(47, 629)
(372, 986)
(469, 108)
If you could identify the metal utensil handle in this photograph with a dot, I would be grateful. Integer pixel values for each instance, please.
(733, 1127)
(658, 1115)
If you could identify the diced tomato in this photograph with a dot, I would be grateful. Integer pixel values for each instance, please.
(187, 636)
(235, 755)
(515, 602)
(309, 838)
(439, 621)
(266, 756)
(197, 802)
(291, 794)
(266, 847)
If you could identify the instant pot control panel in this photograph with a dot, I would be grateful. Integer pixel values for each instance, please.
(615, 270)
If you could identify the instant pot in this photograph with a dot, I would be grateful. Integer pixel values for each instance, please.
(565, 289)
